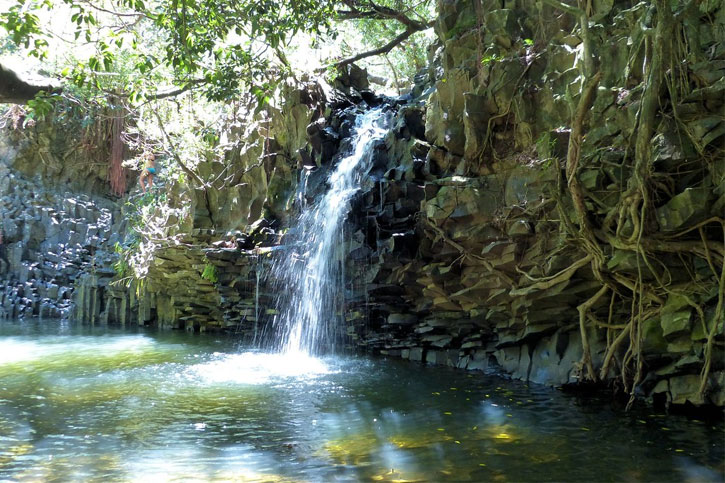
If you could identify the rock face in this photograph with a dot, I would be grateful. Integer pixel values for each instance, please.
(481, 257)
(529, 214)
(55, 227)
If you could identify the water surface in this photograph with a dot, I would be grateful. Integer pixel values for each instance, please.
(96, 404)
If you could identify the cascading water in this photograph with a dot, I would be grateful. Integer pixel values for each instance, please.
(311, 273)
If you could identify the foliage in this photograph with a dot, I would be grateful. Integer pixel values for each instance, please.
(121, 266)
(490, 59)
(221, 47)
(40, 106)
(210, 273)
(125, 273)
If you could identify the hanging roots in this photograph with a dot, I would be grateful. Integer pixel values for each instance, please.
(116, 171)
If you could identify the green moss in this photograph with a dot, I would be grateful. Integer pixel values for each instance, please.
(465, 22)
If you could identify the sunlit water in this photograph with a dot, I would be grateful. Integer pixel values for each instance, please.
(311, 274)
(99, 405)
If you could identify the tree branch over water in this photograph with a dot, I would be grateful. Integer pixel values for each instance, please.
(380, 50)
(368, 10)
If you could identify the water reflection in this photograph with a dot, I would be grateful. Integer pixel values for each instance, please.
(92, 404)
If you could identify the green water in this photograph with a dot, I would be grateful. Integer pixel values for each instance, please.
(86, 404)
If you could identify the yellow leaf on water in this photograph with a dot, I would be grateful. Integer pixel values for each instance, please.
(585, 429)
(481, 464)
(448, 413)
(678, 450)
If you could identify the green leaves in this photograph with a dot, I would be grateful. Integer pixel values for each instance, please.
(262, 94)
(225, 47)
(23, 26)
(210, 273)
(490, 59)
(40, 106)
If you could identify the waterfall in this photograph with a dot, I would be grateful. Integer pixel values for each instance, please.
(309, 274)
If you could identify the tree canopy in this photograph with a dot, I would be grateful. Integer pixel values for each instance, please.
(219, 47)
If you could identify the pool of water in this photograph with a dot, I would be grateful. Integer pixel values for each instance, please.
(97, 404)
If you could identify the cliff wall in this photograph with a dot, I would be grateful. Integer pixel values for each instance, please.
(570, 226)
(57, 217)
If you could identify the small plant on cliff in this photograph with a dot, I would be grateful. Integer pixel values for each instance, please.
(210, 273)
(124, 271)
(490, 59)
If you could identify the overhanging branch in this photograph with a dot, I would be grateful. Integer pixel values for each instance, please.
(358, 10)
(380, 50)
(15, 90)
(379, 12)
(187, 87)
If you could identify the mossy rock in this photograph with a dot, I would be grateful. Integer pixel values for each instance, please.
(676, 315)
(688, 207)
(653, 338)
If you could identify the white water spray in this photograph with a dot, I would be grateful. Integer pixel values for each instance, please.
(312, 275)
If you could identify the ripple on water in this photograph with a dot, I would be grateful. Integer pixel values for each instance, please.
(166, 406)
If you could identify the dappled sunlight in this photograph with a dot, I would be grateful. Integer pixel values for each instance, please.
(233, 463)
(353, 449)
(24, 349)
